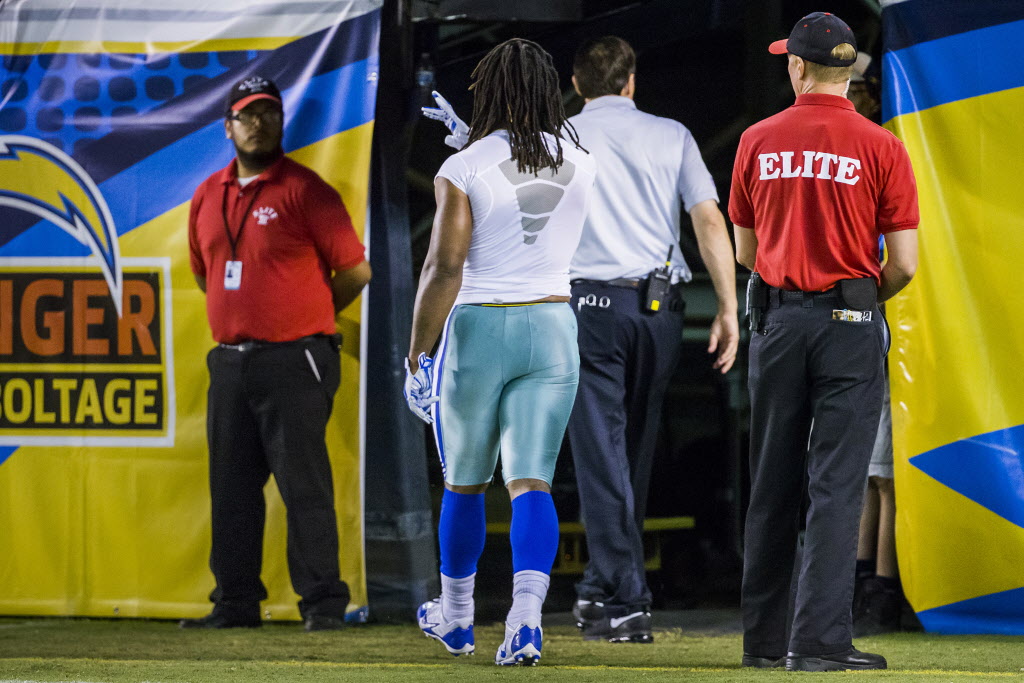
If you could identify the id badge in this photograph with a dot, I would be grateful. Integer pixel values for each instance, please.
(850, 316)
(232, 275)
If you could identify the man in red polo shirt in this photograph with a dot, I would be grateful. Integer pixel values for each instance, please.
(813, 188)
(273, 248)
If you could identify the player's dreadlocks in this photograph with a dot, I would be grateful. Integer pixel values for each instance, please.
(515, 87)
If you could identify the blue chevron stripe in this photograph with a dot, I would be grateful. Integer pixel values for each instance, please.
(986, 469)
(1001, 613)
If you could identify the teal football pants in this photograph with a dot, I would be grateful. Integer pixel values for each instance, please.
(507, 379)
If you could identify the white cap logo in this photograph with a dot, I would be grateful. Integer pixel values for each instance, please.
(254, 83)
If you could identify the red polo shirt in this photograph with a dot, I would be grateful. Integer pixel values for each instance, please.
(818, 183)
(291, 230)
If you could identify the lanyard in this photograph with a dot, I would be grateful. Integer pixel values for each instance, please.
(237, 237)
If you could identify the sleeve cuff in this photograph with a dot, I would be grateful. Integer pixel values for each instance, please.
(689, 205)
(898, 227)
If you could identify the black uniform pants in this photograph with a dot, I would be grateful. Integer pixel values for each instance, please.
(806, 366)
(266, 415)
(627, 357)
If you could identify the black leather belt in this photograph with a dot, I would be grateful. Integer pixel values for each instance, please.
(628, 282)
(798, 295)
(252, 344)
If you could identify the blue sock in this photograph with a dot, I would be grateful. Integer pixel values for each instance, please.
(461, 532)
(534, 532)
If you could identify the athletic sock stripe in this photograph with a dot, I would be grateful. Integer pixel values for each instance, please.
(438, 370)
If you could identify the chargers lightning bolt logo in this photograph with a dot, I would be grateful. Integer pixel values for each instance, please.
(40, 179)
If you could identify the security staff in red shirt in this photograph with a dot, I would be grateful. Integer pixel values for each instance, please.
(273, 248)
(813, 188)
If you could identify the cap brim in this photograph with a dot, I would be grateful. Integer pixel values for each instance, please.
(779, 47)
(246, 101)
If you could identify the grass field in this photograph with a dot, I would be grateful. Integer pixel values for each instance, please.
(135, 650)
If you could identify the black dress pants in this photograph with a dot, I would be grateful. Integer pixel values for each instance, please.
(807, 366)
(627, 357)
(267, 413)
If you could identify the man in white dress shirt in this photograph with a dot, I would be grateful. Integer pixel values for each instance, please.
(630, 322)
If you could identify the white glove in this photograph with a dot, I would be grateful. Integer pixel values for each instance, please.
(418, 390)
(446, 115)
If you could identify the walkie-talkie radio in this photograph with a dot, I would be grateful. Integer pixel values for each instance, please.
(658, 283)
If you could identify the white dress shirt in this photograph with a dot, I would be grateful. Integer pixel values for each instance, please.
(648, 169)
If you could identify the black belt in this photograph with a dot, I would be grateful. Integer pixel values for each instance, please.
(628, 282)
(781, 295)
(252, 344)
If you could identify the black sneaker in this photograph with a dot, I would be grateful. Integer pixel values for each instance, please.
(221, 620)
(587, 612)
(633, 628)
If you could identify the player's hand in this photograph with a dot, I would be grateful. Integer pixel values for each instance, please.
(725, 339)
(418, 391)
(446, 115)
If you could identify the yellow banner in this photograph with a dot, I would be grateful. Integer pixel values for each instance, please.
(957, 391)
(104, 496)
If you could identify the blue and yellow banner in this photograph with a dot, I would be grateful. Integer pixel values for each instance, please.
(111, 114)
(954, 93)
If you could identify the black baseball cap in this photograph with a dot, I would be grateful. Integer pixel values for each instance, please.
(249, 90)
(814, 37)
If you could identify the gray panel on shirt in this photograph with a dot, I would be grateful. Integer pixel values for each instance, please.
(563, 176)
(537, 199)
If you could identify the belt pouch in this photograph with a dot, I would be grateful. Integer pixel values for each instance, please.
(757, 301)
(860, 294)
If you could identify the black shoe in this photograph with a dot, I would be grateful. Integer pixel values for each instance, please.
(630, 628)
(215, 620)
(633, 628)
(324, 622)
(587, 612)
(763, 662)
(881, 602)
(851, 660)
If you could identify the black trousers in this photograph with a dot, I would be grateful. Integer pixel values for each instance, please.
(806, 366)
(627, 357)
(266, 415)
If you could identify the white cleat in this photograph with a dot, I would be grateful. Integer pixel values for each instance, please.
(456, 636)
(521, 647)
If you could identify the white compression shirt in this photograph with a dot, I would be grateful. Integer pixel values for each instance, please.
(525, 227)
